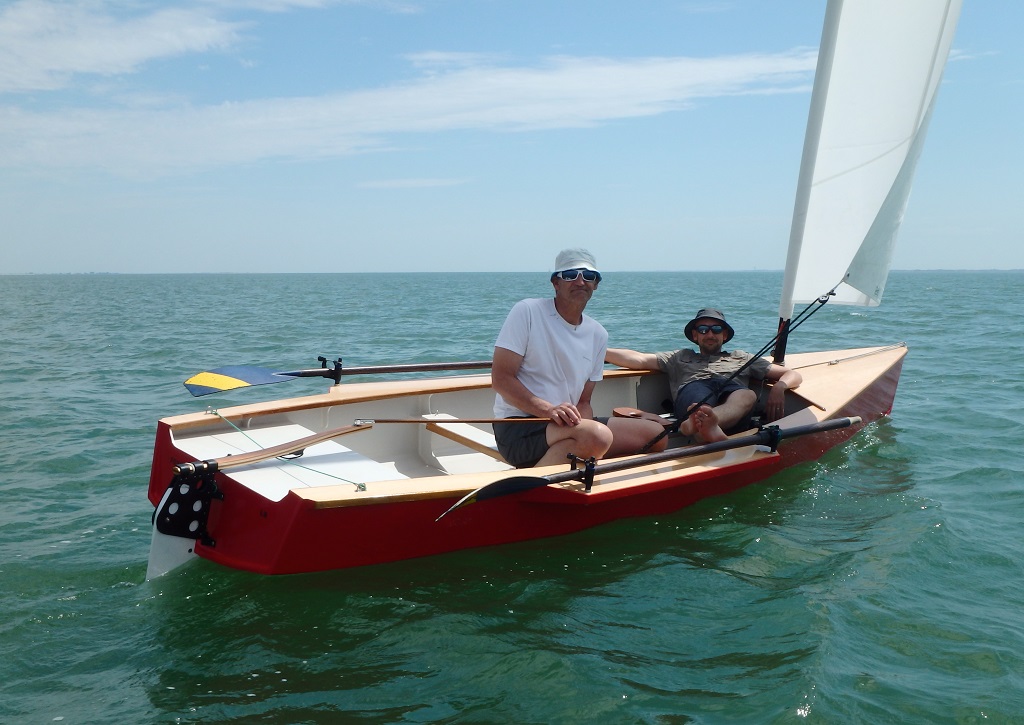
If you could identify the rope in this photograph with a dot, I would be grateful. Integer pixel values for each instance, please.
(286, 459)
(852, 357)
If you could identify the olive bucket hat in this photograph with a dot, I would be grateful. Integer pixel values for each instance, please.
(708, 313)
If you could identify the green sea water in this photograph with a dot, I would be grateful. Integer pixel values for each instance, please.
(880, 584)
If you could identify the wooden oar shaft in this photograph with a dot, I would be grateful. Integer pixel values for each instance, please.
(762, 437)
(360, 421)
(517, 484)
(283, 449)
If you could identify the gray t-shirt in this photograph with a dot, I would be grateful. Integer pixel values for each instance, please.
(684, 366)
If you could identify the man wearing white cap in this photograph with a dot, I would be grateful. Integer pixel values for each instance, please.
(547, 359)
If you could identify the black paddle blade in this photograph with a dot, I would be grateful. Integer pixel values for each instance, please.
(503, 487)
(509, 485)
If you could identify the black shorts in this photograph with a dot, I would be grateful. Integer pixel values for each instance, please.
(711, 391)
(521, 444)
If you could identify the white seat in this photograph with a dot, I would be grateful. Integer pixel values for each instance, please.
(460, 447)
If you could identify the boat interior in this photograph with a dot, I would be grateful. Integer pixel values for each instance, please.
(432, 440)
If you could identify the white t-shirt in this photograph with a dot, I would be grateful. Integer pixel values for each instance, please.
(558, 358)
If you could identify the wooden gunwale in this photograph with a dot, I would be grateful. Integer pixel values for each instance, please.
(832, 384)
(349, 393)
(840, 392)
(631, 480)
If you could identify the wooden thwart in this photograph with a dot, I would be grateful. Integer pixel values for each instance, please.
(463, 433)
(460, 433)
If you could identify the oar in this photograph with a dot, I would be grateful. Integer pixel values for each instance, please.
(283, 449)
(371, 421)
(235, 461)
(244, 459)
(770, 436)
(231, 377)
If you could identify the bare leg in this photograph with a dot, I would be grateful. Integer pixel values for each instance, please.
(708, 423)
(586, 439)
(735, 407)
(629, 435)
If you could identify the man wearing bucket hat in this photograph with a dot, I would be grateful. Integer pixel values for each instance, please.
(548, 358)
(708, 375)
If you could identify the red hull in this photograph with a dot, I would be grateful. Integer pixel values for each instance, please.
(294, 535)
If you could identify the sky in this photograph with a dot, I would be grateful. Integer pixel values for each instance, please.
(460, 135)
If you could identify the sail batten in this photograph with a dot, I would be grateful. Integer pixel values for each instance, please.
(879, 66)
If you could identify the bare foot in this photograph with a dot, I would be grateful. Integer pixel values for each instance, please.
(689, 427)
(705, 425)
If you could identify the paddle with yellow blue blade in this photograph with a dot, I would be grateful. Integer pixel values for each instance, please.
(233, 377)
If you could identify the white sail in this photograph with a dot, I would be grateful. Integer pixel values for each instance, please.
(879, 67)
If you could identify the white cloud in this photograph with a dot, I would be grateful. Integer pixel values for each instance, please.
(50, 45)
(400, 7)
(411, 183)
(438, 60)
(563, 92)
(43, 45)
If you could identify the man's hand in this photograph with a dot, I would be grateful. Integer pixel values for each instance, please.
(565, 414)
(775, 405)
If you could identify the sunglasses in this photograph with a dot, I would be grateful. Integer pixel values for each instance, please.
(705, 329)
(571, 275)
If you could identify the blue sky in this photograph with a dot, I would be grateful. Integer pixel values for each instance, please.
(459, 135)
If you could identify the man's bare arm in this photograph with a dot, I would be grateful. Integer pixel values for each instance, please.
(504, 367)
(631, 359)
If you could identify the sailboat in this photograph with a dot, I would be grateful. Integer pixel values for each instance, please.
(373, 472)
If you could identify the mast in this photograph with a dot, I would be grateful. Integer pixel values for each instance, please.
(819, 93)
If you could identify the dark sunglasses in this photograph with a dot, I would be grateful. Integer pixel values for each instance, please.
(705, 329)
(571, 275)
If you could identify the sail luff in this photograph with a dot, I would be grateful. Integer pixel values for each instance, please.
(868, 117)
(808, 160)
